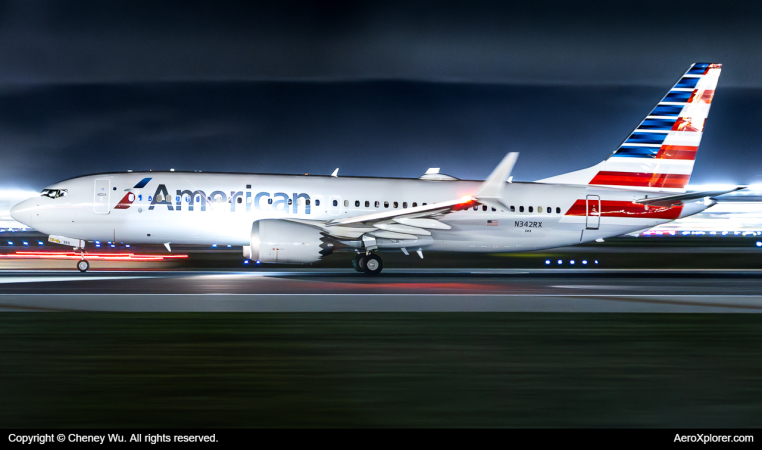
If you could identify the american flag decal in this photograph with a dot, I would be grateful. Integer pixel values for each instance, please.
(492, 223)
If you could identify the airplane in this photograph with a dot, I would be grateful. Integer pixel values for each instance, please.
(305, 218)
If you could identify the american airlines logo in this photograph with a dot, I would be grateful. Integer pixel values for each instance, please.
(217, 200)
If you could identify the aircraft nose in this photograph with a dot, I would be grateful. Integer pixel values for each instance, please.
(22, 213)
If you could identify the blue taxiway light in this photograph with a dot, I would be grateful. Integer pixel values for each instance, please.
(584, 261)
(257, 261)
(128, 245)
(560, 261)
(40, 243)
(571, 262)
(25, 243)
(245, 261)
(759, 244)
(596, 261)
(214, 245)
(229, 245)
(10, 242)
(547, 261)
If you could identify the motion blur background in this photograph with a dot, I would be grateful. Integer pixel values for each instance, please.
(376, 89)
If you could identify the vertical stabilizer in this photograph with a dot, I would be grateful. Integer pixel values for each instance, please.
(659, 154)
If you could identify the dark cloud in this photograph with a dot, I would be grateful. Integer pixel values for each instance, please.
(395, 129)
(486, 41)
(376, 88)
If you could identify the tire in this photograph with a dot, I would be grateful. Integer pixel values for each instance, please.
(83, 265)
(372, 264)
(356, 263)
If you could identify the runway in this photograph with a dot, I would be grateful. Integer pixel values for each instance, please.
(400, 290)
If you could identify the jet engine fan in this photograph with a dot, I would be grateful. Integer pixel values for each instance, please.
(286, 242)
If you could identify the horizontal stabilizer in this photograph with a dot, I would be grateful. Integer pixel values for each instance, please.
(674, 199)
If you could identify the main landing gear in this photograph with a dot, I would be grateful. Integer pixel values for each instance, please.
(370, 264)
(83, 265)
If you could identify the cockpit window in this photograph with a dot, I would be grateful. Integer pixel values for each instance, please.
(54, 193)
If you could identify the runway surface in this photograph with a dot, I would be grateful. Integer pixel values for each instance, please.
(336, 290)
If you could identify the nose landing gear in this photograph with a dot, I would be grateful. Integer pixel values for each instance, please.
(370, 264)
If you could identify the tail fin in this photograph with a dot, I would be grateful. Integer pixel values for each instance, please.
(660, 152)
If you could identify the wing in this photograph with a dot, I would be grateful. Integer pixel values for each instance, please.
(411, 223)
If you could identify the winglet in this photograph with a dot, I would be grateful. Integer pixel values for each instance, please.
(335, 173)
(492, 188)
(166, 244)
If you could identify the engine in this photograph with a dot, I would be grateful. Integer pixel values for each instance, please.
(282, 241)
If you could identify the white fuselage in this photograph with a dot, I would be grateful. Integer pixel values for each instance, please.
(217, 208)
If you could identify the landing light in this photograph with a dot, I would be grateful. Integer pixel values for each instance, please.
(466, 199)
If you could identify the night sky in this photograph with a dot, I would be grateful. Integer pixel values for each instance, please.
(375, 88)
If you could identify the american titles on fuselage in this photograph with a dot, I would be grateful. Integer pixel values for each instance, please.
(198, 199)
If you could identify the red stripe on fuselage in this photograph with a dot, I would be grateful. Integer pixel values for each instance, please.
(615, 208)
(656, 180)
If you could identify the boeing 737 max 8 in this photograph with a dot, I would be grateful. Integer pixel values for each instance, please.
(302, 219)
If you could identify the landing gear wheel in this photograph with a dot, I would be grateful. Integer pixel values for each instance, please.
(83, 265)
(357, 263)
(372, 264)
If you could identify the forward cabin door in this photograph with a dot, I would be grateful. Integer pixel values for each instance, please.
(593, 203)
(102, 196)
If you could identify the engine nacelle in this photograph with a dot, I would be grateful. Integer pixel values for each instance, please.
(282, 241)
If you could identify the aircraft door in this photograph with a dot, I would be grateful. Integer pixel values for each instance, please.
(593, 216)
(334, 205)
(102, 196)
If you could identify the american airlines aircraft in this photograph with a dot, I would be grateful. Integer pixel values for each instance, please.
(302, 219)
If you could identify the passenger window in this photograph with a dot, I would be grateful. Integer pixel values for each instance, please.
(530, 209)
(550, 210)
(484, 207)
(513, 208)
(290, 202)
(367, 204)
(248, 186)
(357, 203)
(240, 200)
(415, 204)
(386, 204)
(269, 201)
(404, 204)
(140, 197)
(158, 198)
(493, 209)
(335, 203)
(476, 208)
(317, 202)
(558, 210)
(346, 203)
(307, 202)
(300, 201)
(521, 209)
(539, 209)
(396, 205)
(198, 199)
(150, 198)
(423, 204)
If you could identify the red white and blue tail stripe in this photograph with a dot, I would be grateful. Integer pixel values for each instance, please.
(659, 154)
